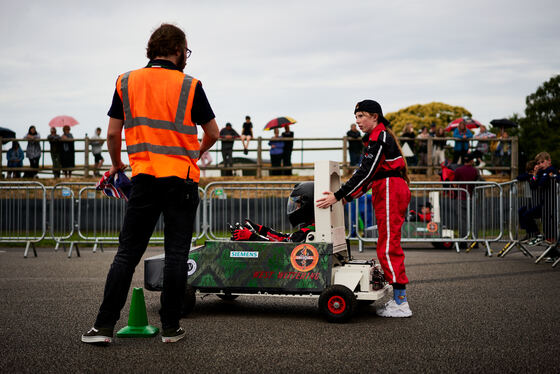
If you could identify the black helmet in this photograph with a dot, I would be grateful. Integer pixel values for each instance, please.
(301, 207)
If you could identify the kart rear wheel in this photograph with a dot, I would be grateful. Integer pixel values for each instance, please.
(337, 303)
(228, 297)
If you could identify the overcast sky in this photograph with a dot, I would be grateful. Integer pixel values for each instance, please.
(311, 60)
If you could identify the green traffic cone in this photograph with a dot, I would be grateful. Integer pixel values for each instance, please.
(137, 318)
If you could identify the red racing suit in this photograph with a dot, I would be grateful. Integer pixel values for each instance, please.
(381, 170)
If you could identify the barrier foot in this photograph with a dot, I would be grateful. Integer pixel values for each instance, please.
(360, 246)
(505, 250)
(524, 250)
(556, 262)
(94, 247)
(544, 254)
(29, 244)
(71, 248)
(488, 249)
(457, 247)
(57, 246)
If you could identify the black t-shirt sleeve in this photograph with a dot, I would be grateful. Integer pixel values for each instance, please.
(116, 111)
(201, 111)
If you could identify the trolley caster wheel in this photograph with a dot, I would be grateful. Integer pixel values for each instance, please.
(228, 297)
(337, 303)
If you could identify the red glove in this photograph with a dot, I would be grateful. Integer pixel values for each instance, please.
(241, 234)
(245, 235)
(260, 229)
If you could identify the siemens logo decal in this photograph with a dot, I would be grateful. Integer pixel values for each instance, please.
(244, 254)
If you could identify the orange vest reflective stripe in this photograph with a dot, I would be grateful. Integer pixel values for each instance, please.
(161, 139)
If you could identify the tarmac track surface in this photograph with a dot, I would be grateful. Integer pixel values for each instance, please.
(471, 314)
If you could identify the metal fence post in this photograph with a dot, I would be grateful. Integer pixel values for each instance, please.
(1, 154)
(344, 157)
(430, 160)
(259, 157)
(514, 157)
(86, 157)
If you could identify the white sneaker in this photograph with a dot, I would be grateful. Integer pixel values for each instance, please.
(392, 309)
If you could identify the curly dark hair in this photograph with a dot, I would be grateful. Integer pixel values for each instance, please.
(165, 41)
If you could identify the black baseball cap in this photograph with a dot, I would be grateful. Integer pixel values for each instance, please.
(371, 106)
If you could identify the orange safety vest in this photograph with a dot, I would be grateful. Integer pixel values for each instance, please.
(161, 139)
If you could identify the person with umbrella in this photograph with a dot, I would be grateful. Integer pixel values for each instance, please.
(384, 170)
(461, 148)
(33, 151)
(67, 153)
(15, 159)
(502, 148)
(282, 153)
(276, 152)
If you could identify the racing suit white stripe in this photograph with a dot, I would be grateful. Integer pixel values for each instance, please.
(387, 214)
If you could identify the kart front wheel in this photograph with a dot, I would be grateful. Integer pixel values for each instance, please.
(337, 303)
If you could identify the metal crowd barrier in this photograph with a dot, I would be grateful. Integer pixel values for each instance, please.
(229, 203)
(451, 208)
(487, 214)
(534, 209)
(23, 213)
(80, 214)
(460, 214)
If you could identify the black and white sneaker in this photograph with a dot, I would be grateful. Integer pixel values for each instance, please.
(98, 336)
(173, 335)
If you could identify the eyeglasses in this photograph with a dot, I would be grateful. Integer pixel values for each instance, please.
(188, 52)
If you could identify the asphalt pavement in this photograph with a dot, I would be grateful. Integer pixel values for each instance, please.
(472, 313)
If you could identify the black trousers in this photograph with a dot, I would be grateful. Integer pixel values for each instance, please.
(227, 155)
(177, 200)
(33, 163)
(287, 161)
(276, 161)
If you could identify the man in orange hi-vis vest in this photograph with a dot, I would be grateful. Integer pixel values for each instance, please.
(160, 109)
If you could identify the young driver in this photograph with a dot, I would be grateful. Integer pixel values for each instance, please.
(384, 170)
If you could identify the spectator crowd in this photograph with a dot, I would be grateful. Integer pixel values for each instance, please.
(449, 147)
